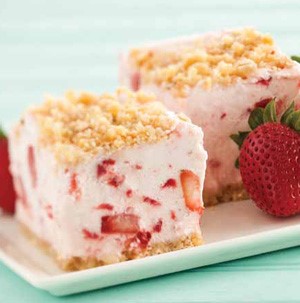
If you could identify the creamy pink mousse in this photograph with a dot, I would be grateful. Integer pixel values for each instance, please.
(216, 79)
(97, 197)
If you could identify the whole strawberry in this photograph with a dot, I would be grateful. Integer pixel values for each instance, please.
(270, 160)
(7, 192)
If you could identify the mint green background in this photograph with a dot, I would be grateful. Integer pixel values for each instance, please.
(51, 46)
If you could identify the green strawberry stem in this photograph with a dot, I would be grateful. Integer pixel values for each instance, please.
(2, 133)
(296, 58)
(260, 116)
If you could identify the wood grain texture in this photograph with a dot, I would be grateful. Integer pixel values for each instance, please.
(52, 46)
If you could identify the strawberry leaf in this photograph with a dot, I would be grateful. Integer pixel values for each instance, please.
(288, 111)
(2, 134)
(296, 58)
(269, 114)
(293, 120)
(239, 138)
(256, 118)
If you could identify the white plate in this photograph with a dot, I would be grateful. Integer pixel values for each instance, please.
(231, 231)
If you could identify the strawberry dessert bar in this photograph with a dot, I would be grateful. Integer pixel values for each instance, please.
(216, 79)
(104, 179)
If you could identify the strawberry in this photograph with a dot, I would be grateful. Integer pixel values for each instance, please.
(120, 223)
(269, 160)
(190, 183)
(7, 192)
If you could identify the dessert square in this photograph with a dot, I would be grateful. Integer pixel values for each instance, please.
(216, 79)
(104, 179)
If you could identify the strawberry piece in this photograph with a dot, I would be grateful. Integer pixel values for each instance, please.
(49, 211)
(120, 223)
(105, 206)
(142, 238)
(7, 192)
(89, 235)
(116, 180)
(101, 170)
(262, 103)
(270, 168)
(31, 165)
(173, 215)
(135, 81)
(74, 188)
(169, 183)
(151, 201)
(157, 227)
(190, 183)
(108, 162)
(264, 82)
(129, 193)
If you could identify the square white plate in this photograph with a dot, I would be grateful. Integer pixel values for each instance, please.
(231, 231)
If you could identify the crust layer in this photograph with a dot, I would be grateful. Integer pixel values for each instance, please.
(232, 192)
(80, 263)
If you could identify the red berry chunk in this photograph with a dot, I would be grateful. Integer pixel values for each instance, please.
(120, 223)
(105, 206)
(173, 215)
(31, 165)
(190, 183)
(170, 183)
(108, 162)
(90, 235)
(116, 180)
(151, 201)
(129, 193)
(74, 188)
(264, 82)
(262, 103)
(143, 238)
(135, 81)
(157, 227)
(49, 211)
(101, 170)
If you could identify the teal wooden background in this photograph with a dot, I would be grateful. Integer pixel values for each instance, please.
(52, 46)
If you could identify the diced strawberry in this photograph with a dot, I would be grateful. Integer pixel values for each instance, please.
(120, 223)
(108, 162)
(190, 183)
(49, 211)
(157, 227)
(90, 235)
(129, 193)
(74, 188)
(143, 238)
(135, 81)
(151, 201)
(170, 183)
(262, 103)
(138, 166)
(101, 170)
(116, 180)
(264, 82)
(32, 166)
(173, 215)
(105, 206)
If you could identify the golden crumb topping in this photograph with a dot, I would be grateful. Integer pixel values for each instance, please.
(212, 59)
(78, 125)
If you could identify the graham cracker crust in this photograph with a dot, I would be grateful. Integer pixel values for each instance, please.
(229, 193)
(80, 263)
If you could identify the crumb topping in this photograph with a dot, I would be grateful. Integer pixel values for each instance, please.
(213, 59)
(78, 125)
